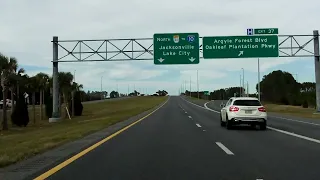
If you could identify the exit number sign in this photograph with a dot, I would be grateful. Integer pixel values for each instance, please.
(266, 31)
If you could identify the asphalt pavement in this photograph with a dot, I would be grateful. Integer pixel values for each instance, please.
(185, 141)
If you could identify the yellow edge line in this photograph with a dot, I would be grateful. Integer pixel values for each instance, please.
(77, 156)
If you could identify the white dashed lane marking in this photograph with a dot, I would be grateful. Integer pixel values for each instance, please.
(224, 148)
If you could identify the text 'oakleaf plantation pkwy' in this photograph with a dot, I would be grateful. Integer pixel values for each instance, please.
(240, 46)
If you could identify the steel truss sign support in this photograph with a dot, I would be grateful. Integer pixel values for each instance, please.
(142, 49)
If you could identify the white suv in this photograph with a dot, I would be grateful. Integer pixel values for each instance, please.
(243, 110)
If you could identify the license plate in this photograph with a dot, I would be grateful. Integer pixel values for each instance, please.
(248, 111)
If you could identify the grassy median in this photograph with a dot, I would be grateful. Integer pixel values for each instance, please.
(196, 100)
(20, 143)
(297, 111)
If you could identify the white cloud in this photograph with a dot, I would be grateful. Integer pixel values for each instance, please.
(28, 26)
(129, 71)
(204, 75)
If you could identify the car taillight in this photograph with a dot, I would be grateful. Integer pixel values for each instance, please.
(233, 109)
(262, 109)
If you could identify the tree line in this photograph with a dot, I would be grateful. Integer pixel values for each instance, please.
(277, 87)
(21, 89)
(16, 85)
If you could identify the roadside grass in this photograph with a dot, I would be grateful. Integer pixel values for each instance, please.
(292, 110)
(20, 143)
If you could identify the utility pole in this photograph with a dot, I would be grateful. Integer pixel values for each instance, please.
(72, 93)
(74, 76)
(240, 91)
(101, 87)
(317, 67)
(259, 96)
(198, 84)
(243, 82)
(247, 89)
(182, 87)
(117, 88)
(190, 87)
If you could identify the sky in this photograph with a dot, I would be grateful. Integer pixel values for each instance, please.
(27, 29)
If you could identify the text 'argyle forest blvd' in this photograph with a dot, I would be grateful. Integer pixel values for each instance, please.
(240, 43)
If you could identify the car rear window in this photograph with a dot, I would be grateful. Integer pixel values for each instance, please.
(246, 103)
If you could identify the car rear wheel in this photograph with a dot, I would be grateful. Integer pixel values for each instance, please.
(228, 123)
(253, 126)
(221, 122)
(263, 126)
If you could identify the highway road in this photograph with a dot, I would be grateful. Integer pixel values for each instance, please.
(185, 141)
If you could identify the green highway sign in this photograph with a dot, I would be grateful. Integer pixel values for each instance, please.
(240, 46)
(266, 31)
(176, 48)
(206, 92)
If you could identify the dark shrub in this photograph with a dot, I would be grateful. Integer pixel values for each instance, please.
(296, 102)
(78, 107)
(284, 101)
(20, 115)
(305, 104)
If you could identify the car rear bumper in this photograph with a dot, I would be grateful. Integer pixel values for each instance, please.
(248, 120)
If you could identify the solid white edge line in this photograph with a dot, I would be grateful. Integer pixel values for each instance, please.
(295, 120)
(274, 129)
(224, 148)
(198, 125)
(205, 105)
(296, 135)
(201, 106)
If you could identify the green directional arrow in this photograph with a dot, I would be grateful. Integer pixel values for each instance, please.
(176, 48)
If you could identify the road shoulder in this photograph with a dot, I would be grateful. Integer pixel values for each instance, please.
(48, 159)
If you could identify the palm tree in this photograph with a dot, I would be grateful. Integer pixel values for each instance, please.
(41, 79)
(7, 68)
(65, 85)
(23, 82)
(33, 85)
(14, 79)
(4, 64)
(75, 87)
